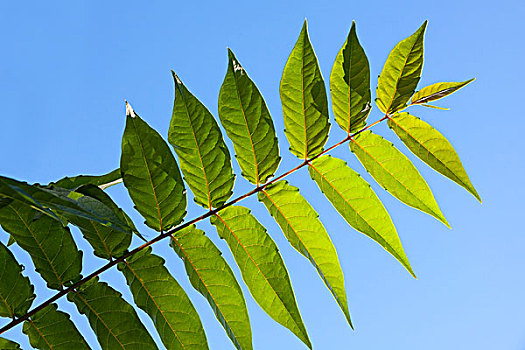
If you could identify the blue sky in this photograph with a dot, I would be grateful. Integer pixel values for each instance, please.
(65, 70)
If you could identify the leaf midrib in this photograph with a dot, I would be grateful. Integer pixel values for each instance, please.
(40, 334)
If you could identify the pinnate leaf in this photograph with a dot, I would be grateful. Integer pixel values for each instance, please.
(151, 174)
(303, 96)
(16, 291)
(350, 85)
(401, 73)
(395, 173)
(213, 278)
(301, 225)
(357, 203)
(50, 329)
(203, 156)
(102, 181)
(431, 147)
(49, 244)
(261, 266)
(247, 121)
(113, 320)
(437, 91)
(157, 293)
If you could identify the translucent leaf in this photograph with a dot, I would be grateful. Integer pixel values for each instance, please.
(305, 232)
(357, 203)
(113, 320)
(203, 156)
(248, 123)
(151, 174)
(395, 173)
(213, 278)
(157, 293)
(16, 291)
(102, 181)
(6, 344)
(261, 266)
(50, 329)
(401, 73)
(350, 85)
(50, 245)
(303, 96)
(437, 91)
(435, 107)
(431, 147)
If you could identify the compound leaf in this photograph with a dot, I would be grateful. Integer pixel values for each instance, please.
(401, 73)
(16, 291)
(50, 329)
(247, 121)
(357, 203)
(157, 293)
(151, 174)
(395, 173)
(437, 91)
(303, 96)
(261, 266)
(113, 320)
(211, 275)
(350, 85)
(431, 147)
(102, 181)
(203, 156)
(301, 225)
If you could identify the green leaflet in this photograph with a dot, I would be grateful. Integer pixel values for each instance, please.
(247, 121)
(50, 245)
(401, 73)
(357, 203)
(350, 85)
(102, 181)
(301, 225)
(435, 107)
(211, 275)
(431, 147)
(16, 291)
(203, 156)
(158, 294)
(303, 96)
(261, 266)
(437, 91)
(113, 320)
(395, 173)
(151, 174)
(50, 329)
(6, 344)
(107, 242)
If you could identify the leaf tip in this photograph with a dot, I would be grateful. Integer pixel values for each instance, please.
(129, 110)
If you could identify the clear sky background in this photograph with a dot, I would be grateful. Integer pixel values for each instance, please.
(66, 68)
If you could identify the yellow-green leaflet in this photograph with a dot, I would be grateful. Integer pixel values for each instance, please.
(211, 275)
(395, 173)
(350, 85)
(303, 96)
(401, 73)
(437, 91)
(301, 225)
(431, 147)
(357, 203)
(261, 266)
(51, 329)
(158, 294)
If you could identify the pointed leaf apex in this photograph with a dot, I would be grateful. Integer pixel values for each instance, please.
(129, 110)
(176, 78)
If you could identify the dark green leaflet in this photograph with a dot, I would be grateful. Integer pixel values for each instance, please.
(6, 344)
(350, 85)
(248, 123)
(16, 292)
(113, 320)
(303, 96)
(50, 245)
(211, 275)
(157, 293)
(203, 156)
(50, 329)
(151, 174)
(102, 181)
